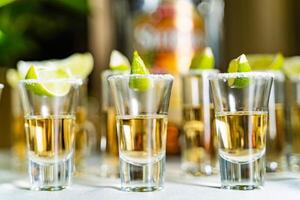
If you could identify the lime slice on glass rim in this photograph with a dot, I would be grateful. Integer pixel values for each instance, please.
(79, 64)
(239, 64)
(266, 61)
(291, 66)
(203, 60)
(138, 67)
(118, 62)
(45, 88)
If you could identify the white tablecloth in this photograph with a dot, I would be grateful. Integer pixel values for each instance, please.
(281, 186)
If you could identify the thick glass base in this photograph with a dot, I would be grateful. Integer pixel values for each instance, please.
(110, 166)
(50, 176)
(242, 176)
(275, 163)
(198, 169)
(142, 177)
(294, 162)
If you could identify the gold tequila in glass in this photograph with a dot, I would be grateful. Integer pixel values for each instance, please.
(109, 138)
(241, 103)
(294, 123)
(142, 142)
(235, 129)
(199, 135)
(141, 117)
(85, 133)
(50, 132)
(17, 127)
(275, 159)
(111, 132)
(19, 138)
(50, 137)
(81, 137)
(276, 141)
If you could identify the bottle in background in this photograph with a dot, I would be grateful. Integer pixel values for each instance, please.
(167, 34)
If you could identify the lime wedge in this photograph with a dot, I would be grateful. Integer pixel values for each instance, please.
(13, 77)
(138, 67)
(118, 61)
(48, 88)
(203, 60)
(80, 65)
(291, 66)
(239, 64)
(266, 61)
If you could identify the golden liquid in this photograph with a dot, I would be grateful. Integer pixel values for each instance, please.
(199, 137)
(81, 135)
(19, 137)
(275, 136)
(142, 138)
(295, 128)
(50, 137)
(242, 135)
(111, 133)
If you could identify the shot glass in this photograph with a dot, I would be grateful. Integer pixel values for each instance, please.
(85, 132)
(141, 116)
(275, 146)
(293, 151)
(50, 131)
(109, 138)
(199, 132)
(241, 103)
(1, 88)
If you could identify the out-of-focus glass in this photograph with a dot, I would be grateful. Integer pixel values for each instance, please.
(18, 132)
(275, 158)
(109, 139)
(85, 132)
(50, 133)
(294, 124)
(141, 117)
(241, 102)
(199, 133)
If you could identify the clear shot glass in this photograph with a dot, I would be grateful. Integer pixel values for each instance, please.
(276, 133)
(199, 131)
(50, 131)
(109, 138)
(293, 152)
(241, 103)
(141, 115)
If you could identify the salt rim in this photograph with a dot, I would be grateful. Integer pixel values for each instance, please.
(200, 72)
(277, 74)
(255, 75)
(151, 76)
(109, 72)
(295, 78)
(1, 86)
(76, 81)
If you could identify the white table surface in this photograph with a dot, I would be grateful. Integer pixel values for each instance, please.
(281, 186)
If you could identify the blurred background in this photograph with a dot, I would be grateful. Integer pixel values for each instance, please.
(46, 29)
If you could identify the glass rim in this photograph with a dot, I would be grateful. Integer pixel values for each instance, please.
(151, 76)
(75, 81)
(277, 74)
(254, 75)
(1, 85)
(294, 78)
(114, 70)
(200, 72)
(109, 72)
